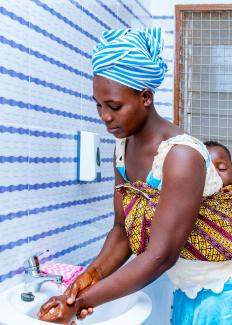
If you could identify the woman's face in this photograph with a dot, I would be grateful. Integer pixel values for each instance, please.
(120, 107)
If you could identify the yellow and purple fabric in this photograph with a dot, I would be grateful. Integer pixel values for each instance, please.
(211, 237)
(210, 240)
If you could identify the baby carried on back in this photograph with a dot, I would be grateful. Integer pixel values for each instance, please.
(211, 237)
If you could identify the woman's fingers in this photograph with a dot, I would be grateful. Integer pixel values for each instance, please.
(75, 288)
(85, 312)
(44, 309)
(53, 315)
(90, 310)
(57, 311)
(67, 291)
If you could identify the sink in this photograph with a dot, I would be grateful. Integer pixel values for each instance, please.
(133, 309)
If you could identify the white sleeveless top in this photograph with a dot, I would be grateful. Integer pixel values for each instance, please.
(213, 181)
(188, 275)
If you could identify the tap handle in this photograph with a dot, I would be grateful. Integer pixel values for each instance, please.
(33, 261)
(41, 253)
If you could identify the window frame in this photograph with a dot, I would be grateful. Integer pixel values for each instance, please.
(179, 10)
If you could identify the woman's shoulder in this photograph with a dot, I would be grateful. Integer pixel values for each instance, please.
(187, 140)
(213, 181)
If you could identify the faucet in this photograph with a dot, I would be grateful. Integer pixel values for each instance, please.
(34, 278)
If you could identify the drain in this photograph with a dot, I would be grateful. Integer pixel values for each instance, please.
(27, 296)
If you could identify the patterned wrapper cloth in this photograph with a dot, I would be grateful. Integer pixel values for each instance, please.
(209, 242)
(211, 237)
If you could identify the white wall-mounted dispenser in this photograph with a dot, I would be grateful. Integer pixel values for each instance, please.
(88, 151)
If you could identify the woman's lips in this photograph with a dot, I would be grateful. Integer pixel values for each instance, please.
(112, 130)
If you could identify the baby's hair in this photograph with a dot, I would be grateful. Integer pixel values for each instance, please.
(211, 144)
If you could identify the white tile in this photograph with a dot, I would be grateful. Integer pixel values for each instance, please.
(46, 212)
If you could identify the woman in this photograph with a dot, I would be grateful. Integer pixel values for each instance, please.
(164, 173)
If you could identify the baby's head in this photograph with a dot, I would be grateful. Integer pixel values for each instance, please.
(221, 159)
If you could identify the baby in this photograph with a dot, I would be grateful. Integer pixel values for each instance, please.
(221, 159)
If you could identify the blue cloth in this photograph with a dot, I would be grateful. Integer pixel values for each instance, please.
(150, 180)
(122, 171)
(207, 308)
(131, 57)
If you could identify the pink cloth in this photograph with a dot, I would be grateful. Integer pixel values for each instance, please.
(69, 272)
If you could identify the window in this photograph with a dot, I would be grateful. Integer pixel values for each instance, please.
(203, 71)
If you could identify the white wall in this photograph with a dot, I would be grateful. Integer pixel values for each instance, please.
(45, 98)
(167, 7)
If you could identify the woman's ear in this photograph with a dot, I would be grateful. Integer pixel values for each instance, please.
(147, 97)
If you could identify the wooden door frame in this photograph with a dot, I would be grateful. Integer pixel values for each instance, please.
(179, 9)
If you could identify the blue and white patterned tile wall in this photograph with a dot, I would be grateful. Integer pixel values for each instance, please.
(45, 98)
(164, 95)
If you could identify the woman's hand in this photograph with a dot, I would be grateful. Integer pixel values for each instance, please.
(82, 282)
(60, 309)
(56, 310)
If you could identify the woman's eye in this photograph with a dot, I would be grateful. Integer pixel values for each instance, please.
(114, 108)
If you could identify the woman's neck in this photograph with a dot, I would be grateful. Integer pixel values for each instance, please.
(155, 129)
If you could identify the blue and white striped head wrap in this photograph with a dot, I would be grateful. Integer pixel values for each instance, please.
(131, 57)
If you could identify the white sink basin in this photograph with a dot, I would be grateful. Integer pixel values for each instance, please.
(130, 310)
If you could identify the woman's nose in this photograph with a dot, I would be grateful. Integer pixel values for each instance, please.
(105, 115)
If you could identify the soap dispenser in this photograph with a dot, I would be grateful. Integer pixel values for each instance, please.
(88, 152)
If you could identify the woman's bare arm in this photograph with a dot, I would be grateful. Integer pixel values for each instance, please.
(115, 251)
(183, 182)
(114, 254)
